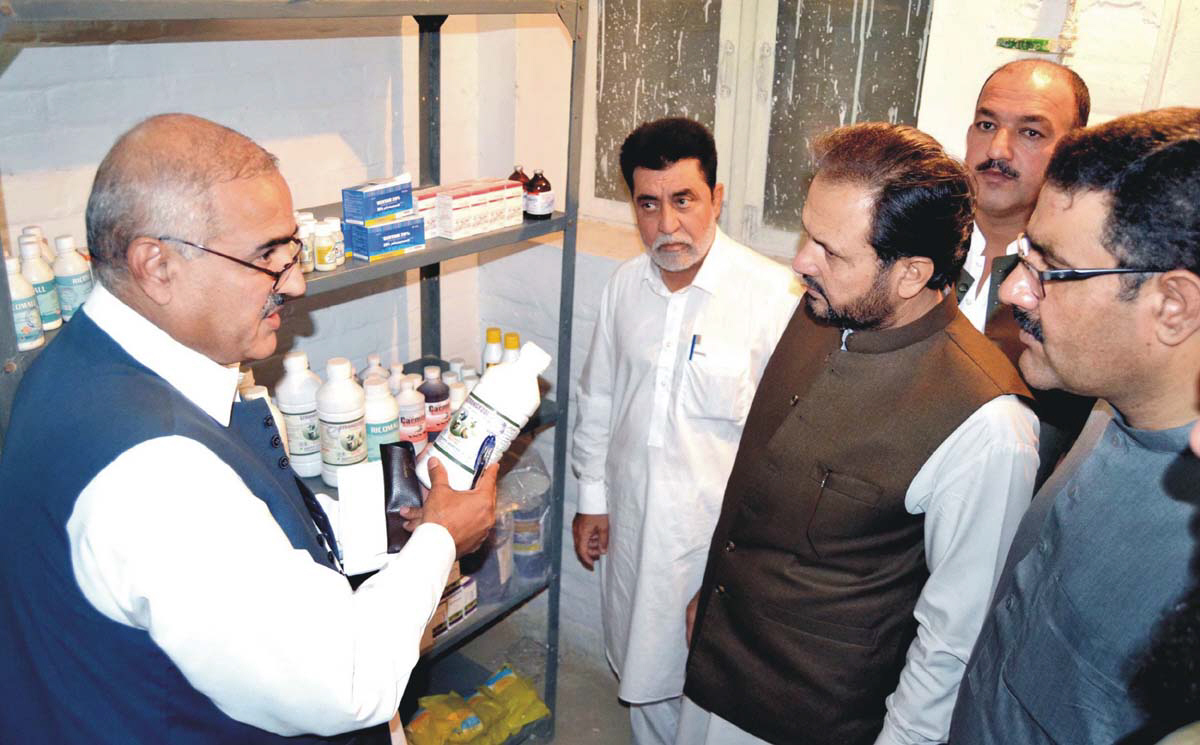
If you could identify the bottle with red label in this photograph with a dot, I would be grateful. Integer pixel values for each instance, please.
(539, 198)
(437, 402)
(519, 174)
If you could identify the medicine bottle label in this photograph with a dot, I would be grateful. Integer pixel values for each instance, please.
(27, 319)
(73, 289)
(539, 203)
(437, 414)
(304, 433)
(474, 421)
(527, 535)
(381, 433)
(47, 301)
(343, 443)
(326, 253)
(412, 428)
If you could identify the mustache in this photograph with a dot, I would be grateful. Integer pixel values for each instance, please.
(814, 285)
(274, 302)
(999, 166)
(1028, 324)
(664, 238)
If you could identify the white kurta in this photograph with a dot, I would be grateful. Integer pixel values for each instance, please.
(662, 400)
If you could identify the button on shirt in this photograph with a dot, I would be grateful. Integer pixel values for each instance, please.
(662, 400)
(233, 618)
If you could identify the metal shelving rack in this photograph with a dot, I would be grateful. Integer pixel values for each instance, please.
(68, 22)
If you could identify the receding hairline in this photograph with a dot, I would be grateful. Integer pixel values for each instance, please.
(1060, 73)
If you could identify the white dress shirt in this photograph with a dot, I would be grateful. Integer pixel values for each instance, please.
(974, 303)
(662, 400)
(169, 539)
(973, 491)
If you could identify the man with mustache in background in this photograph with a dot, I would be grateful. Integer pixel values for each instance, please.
(683, 334)
(1024, 108)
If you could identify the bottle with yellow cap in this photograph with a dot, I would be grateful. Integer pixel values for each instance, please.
(512, 347)
(492, 351)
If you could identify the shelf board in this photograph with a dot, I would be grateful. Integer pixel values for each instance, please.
(357, 271)
(34, 11)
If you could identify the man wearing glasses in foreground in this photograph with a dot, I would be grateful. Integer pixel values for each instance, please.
(164, 577)
(1108, 298)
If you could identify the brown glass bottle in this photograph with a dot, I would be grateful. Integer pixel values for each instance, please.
(518, 174)
(539, 198)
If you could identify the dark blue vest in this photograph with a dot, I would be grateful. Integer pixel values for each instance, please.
(68, 673)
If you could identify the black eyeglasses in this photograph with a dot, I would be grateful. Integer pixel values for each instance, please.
(278, 276)
(1038, 277)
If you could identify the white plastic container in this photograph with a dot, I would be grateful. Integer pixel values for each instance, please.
(339, 240)
(456, 365)
(41, 276)
(449, 377)
(500, 405)
(341, 410)
(307, 256)
(27, 320)
(458, 395)
(254, 392)
(411, 405)
(324, 248)
(382, 416)
(470, 377)
(43, 245)
(374, 368)
(512, 347)
(396, 378)
(72, 276)
(296, 394)
(492, 351)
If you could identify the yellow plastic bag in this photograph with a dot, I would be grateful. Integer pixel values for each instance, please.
(517, 695)
(443, 719)
(493, 715)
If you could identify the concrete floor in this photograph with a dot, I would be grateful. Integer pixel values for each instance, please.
(588, 712)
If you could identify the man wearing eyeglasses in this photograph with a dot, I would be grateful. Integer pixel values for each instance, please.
(1024, 108)
(164, 576)
(1108, 298)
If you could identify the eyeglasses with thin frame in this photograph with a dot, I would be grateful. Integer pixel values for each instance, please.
(278, 276)
(1038, 277)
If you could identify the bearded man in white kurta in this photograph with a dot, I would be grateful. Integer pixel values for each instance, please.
(683, 334)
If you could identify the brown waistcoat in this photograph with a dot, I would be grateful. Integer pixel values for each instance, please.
(815, 566)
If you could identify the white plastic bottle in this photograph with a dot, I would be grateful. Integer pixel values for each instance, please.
(382, 416)
(492, 351)
(43, 244)
(324, 248)
(254, 392)
(341, 409)
(339, 240)
(305, 233)
(470, 377)
(456, 365)
(512, 347)
(437, 402)
(411, 405)
(500, 405)
(374, 368)
(27, 319)
(396, 378)
(449, 377)
(41, 276)
(72, 276)
(458, 395)
(296, 393)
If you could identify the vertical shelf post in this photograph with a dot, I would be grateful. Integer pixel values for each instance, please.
(429, 114)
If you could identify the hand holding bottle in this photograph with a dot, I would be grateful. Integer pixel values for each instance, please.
(467, 515)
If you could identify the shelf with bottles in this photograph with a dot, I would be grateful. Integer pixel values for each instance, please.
(357, 271)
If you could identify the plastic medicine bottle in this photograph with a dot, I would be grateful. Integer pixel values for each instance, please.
(27, 320)
(72, 276)
(500, 405)
(411, 405)
(43, 244)
(492, 351)
(324, 248)
(296, 393)
(341, 409)
(512, 347)
(41, 276)
(374, 368)
(382, 416)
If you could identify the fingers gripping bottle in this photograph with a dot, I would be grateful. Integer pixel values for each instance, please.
(500, 405)
(341, 409)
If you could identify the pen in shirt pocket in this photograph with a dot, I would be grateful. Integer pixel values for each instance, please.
(694, 350)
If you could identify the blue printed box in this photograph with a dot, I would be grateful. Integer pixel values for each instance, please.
(368, 202)
(385, 241)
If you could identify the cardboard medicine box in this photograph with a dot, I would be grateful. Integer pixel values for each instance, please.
(385, 241)
(377, 200)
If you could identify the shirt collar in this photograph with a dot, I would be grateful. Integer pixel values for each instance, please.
(1174, 440)
(208, 384)
(712, 272)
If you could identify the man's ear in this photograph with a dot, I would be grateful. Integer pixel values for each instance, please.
(1177, 313)
(911, 274)
(718, 196)
(149, 268)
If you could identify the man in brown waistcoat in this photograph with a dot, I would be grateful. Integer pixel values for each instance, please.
(885, 464)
